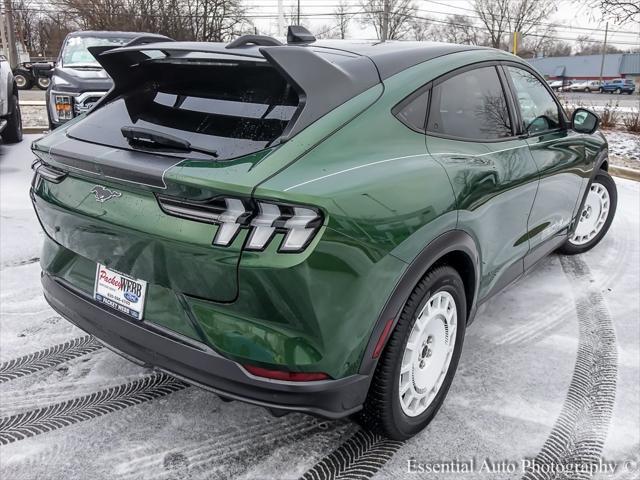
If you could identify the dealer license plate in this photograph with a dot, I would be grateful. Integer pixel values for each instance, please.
(120, 292)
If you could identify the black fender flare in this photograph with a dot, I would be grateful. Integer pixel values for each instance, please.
(451, 241)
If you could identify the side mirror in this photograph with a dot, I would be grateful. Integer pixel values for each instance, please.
(584, 121)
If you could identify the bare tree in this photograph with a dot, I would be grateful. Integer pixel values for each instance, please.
(203, 20)
(401, 14)
(327, 31)
(542, 44)
(25, 17)
(620, 10)
(458, 29)
(341, 14)
(556, 48)
(422, 29)
(585, 45)
(502, 17)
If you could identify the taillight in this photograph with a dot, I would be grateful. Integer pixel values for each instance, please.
(264, 219)
(284, 375)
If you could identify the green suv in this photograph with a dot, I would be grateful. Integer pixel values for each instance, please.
(311, 226)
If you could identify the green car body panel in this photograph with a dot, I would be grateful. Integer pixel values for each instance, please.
(386, 192)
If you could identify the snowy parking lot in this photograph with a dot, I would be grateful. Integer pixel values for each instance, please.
(550, 372)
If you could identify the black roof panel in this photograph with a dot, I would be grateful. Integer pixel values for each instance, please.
(395, 56)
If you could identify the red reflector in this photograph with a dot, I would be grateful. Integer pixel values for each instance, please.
(288, 376)
(383, 338)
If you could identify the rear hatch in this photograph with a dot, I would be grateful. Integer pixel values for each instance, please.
(185, 128)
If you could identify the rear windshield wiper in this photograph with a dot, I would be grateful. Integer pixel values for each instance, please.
(144, 137)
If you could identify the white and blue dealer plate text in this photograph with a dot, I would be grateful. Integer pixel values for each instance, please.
(120, 292)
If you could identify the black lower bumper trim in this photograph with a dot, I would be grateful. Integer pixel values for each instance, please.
(202, 366)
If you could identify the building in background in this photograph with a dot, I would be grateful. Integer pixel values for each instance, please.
(587, 67)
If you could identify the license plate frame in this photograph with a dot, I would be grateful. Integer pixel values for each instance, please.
(120, 292)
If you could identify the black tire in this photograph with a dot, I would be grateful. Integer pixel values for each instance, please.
(587, 90)
(22, 81)
(382, 412)
(604, 179)
(12, 133)
(601, 90)
(43, 82)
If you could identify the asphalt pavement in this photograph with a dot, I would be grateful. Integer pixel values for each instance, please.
(550, 370)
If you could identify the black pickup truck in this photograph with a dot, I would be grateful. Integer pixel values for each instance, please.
(78, 81)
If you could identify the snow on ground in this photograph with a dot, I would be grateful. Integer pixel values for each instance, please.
(624, 148)
(512, 385)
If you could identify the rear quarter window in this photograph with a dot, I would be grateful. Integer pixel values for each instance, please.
(412, 111)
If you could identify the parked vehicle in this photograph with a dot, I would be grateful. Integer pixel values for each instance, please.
(586, 86)
(619, 86)
(78, 81)
(10, 117)
(560, 85)
(29, 74)
(312, 226)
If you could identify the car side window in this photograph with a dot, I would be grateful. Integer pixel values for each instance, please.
(470, 105)
(413, 110)
(538, 110)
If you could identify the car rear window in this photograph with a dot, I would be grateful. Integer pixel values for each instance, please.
(233, 108)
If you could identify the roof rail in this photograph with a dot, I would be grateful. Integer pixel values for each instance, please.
(260, 40)
(299, 34)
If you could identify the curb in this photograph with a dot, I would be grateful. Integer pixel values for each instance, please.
(625, 172)
(37, 129)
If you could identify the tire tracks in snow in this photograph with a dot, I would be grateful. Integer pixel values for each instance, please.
(230, 452)
(580, 431)
(47, 358)
(360, 457)
(52, 417)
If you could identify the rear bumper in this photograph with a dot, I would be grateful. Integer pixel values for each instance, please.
(201, 365)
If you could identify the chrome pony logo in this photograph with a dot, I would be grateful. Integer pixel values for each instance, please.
(103, 193)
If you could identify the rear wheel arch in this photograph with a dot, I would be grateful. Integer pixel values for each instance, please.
(455, 248)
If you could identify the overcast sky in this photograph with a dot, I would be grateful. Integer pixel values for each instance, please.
(574, 19)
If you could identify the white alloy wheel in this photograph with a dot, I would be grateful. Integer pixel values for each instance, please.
(593, 216)
(428, 353)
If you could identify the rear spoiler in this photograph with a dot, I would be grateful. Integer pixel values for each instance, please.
(98, 50)
(323, 79)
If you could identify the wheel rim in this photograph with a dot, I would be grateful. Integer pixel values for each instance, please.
(593, 216)
(20, 81)
(44, 82)
(428, 354)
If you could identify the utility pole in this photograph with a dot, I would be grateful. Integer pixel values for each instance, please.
(385, 22)
(298, 12)
(11, 33)
(604, 50)
(515, 43)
